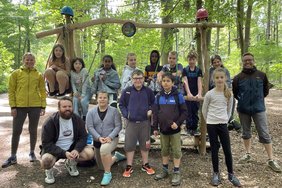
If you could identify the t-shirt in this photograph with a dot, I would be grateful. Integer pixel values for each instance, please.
(192, 77)
(65, 139)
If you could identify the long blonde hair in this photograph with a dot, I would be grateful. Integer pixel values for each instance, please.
(226, 91)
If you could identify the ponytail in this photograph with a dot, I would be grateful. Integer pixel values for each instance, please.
(226, 92)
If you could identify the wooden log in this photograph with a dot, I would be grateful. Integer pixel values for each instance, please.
(120, 21)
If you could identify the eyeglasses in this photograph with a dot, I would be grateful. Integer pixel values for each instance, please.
(137, 78)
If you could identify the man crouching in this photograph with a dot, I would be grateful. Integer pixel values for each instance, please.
(64, 137)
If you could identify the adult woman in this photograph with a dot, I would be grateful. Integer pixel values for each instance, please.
(58, 72)
(104, 123)
(27, 97)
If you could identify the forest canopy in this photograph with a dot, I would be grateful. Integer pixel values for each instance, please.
(252, 25)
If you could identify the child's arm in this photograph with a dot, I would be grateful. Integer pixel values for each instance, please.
(205, 106)
(155, 125)
(229, 107)
(186, 87)
(85, 81)
(182, 110)
(200, 87)
(73, 84)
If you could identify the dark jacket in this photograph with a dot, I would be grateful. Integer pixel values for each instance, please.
(167, 110)
(50, 135)
(249, 88)
(134, 104)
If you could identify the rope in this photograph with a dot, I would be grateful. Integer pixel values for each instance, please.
(51, 51)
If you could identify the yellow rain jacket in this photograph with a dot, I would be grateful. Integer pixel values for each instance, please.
(27, 88)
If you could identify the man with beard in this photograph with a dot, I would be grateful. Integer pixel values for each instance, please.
(64, 137)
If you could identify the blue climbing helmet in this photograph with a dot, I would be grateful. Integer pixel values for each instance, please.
(66, 10)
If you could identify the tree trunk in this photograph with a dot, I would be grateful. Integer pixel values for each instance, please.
(248, 26)
(268, 27)
(240, 18)
(103, 15)
(166, 34)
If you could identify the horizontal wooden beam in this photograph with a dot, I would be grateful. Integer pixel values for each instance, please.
(82, 25)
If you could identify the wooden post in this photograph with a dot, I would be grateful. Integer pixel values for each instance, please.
(205, 58)
(69, 43)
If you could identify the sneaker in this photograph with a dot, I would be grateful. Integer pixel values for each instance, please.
(10, 161)
(52, 94)
(232, 178)
(274, 165)
(71, 167)
(119, 156)
(128, 171)
(149, 170)
(176, 178)
(32, 157)
(49, 176)
(106, 178)
(215, 181)
(245, 159)
(161, 175)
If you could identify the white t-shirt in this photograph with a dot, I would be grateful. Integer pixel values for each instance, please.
(65, 139)
(216, 109)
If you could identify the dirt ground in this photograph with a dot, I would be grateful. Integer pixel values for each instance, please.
(195, 169)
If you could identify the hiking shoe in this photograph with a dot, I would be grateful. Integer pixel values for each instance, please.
(232, 178)
(245, 159)
(149, 170)
(71, 167)
(128, 171)
(32, 157)
(215, 181)
(161, 175)
(176, 179)
(106, 178)
(49, 176)
(274, 165)
(10, 161)
(119, 156)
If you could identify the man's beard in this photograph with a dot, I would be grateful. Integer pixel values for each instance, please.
(66, 115)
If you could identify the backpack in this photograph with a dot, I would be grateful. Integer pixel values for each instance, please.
(176, 98)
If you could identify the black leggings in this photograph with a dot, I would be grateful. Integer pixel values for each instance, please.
(220, 131)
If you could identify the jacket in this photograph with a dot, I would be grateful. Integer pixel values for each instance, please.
(109, 127)
(249, 88)
(126, 76)
(50, 135)
(166, 111)
(110, 85)
(80, 82)
(134, 104)
(26, 88)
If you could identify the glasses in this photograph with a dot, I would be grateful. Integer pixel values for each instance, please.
(137, 78)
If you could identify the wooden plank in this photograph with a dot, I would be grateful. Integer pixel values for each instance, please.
(82, 25)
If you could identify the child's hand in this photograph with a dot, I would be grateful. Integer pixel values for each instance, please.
(174, 126)
(156, 133)
(149, 113)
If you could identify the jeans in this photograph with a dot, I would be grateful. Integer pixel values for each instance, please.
(80, 107)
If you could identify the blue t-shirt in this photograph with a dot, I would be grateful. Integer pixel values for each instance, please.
(192, 77)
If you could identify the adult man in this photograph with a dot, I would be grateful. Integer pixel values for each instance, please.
(64, 137)
(249, 88)
(135, 104)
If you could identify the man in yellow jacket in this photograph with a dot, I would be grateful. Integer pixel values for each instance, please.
(27, 97)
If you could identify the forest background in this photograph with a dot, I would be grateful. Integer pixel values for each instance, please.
(250, 25)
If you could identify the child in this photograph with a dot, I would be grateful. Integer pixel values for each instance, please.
(135, 104)
(192, 76)
(80, 87)
(216, 62)
(152, 70)
(58, 72)
(106, 79)
(169, 112)
(216, 112)
(26, 97)
(127, 71)
(174, 68)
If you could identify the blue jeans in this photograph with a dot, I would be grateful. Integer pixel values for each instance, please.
(80, 107)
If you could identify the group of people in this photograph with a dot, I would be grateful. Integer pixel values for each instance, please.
(171, 95)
